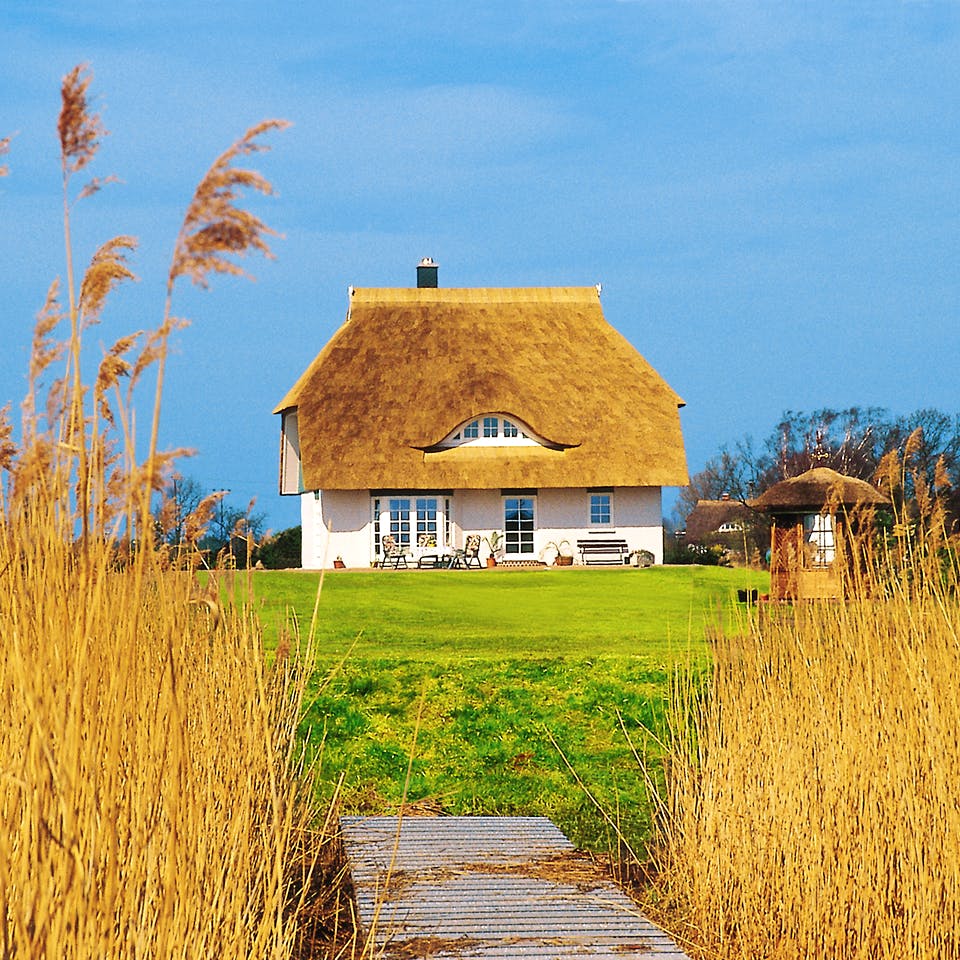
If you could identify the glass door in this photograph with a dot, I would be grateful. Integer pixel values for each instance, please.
(412, 521)
(518, 524)
(430, 527)
(398, 524)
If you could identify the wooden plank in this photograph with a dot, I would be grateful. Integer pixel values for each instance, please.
(489, 887)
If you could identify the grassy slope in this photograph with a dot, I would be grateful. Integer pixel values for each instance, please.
(509, 666)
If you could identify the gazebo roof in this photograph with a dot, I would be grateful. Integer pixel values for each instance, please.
(815, 489)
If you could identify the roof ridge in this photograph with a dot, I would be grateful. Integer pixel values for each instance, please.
(473, 294)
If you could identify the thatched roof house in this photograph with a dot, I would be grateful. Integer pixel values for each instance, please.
(710, 517)
(428, 390)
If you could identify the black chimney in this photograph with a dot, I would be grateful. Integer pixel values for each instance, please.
(427, 272)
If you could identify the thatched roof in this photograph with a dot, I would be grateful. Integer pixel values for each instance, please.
(812, 490)
(410, 365)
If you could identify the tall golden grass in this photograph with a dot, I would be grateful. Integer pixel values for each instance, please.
(150, 804)
(812, 807)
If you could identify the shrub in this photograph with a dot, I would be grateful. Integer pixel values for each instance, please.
(280, 551)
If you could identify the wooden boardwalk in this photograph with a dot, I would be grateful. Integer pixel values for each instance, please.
(475, 888)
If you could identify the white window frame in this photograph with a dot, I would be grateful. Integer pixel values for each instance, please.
(596, 524)
(521, 539)
(493, 430)
(382, 510)
(730, 526)
(820, 532)
(405, 519)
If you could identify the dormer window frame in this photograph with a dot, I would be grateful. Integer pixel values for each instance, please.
(494, 430)
(731, 526)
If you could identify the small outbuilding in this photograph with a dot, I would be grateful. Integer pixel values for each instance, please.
(813, 518)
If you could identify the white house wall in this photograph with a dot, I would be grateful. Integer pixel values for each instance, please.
(561, 514)
(638, 516)
(346, 513)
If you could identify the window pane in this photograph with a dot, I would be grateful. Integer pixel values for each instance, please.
(600, 508)
(426, 515)
(818, 531)
(471, 430)
(491, 427)
(400, 521)
(518, 515)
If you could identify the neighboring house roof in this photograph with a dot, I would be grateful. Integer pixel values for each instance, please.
(709, 515)
(410, 365)
(812, 490)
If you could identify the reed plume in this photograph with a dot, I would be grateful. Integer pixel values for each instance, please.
(80, 130)
(213, 231)
(215, 228)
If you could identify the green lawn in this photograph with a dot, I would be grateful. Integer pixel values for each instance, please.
(447, 615)
(511, 671)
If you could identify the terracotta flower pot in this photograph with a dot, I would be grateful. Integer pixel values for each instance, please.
(491, 562)
(563, 561)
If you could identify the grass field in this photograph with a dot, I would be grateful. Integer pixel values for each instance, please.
(444, 616)
(510, 672)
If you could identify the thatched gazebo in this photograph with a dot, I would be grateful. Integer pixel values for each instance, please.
(812, 519)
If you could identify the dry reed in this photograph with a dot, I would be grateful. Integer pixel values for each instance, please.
(812, 806)
(150, 804)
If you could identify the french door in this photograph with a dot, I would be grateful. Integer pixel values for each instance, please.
(409, 519)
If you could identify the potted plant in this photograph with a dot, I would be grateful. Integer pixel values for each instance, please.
(563, 552)
(495, 542)
(338, 564)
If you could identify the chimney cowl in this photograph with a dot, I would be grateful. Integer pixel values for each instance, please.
(427, 273)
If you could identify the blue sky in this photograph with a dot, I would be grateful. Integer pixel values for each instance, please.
(768, 192)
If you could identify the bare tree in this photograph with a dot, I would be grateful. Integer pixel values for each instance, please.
(851, 441)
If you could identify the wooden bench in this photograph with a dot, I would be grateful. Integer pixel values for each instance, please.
(603, 551)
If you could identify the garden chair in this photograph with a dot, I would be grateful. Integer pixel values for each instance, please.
(471, 551)
(393, 554)
(427, 553)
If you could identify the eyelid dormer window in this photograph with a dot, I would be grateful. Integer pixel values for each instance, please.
(494, 430)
